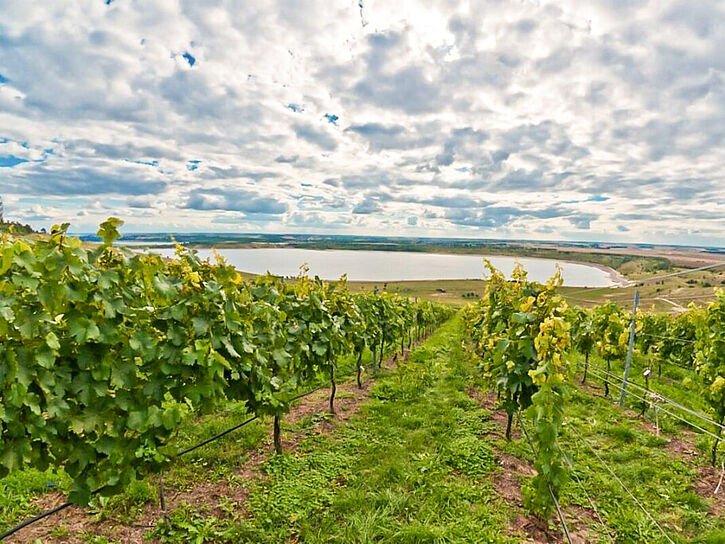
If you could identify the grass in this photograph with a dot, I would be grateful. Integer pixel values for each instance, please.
(19, 489)
(680, 291)
(695, 287)
(421, 462)
(412, 467)
(454, 292)
(661, 483)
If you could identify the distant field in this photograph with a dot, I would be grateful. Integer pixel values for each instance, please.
(609, 254)
(633, 261)
(667, 295)
(455, 292)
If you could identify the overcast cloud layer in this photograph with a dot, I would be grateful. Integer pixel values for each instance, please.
(550, 120)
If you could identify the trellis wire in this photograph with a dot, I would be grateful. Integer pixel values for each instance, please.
(690, 423)
(551, 492)
(621, 483)
(67, 504)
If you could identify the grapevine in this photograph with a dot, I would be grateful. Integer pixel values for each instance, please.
(106, 352)
(520, 332)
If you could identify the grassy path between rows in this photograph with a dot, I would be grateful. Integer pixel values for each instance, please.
(411, 466)
(418, 457)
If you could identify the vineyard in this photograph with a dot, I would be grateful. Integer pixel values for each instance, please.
(524, 335)
(106, 352)
(610, 420)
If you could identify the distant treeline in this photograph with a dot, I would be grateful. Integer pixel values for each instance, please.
(593, 252)
(14, 227)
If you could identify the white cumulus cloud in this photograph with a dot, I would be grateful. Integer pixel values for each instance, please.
(566, 119)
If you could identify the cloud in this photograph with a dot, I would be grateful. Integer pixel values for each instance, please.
(237, 200)
(140, 202)
(500, 216)
(582, 221)
(316, 136)
(406, 90)
(286, 159)
(382, 137)
(233, 172)
(499, 119)
(42, 180)
(366, 207)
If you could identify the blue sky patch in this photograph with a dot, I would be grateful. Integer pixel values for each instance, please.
(8, 161)
(147, 163)
(415, 105)
(189, 58)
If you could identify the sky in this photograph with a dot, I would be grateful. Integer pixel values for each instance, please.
(561, 120)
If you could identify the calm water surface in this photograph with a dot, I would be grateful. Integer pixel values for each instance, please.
(396, 265)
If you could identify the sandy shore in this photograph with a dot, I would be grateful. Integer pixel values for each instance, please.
(619, 280)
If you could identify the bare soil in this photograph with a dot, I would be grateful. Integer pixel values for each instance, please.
(205, 497)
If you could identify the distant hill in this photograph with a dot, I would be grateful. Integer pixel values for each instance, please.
(16, 228)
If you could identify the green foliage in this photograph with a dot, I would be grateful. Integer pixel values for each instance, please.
(189, 527)
(610, 325)
(676, 342)
(15, 229)
(105, 351)
(609, 322)
(470, 455)
(693, 339)
(520, 332)
(710, 359)
(583, 337)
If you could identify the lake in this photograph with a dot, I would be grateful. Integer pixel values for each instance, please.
(398, 266)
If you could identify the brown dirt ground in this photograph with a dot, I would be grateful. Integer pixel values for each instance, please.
(508, 476)
(207, 496)
(507, 483)
(706, 485)
(684, 448)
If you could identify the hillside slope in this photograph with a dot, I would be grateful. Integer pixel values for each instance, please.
(416, 457)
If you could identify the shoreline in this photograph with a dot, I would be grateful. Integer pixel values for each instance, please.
(618, 279)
